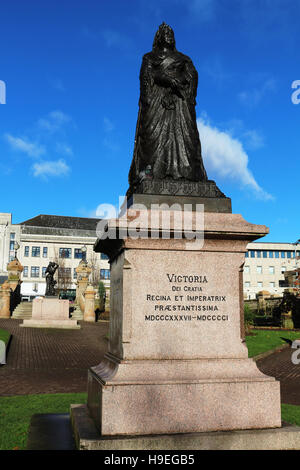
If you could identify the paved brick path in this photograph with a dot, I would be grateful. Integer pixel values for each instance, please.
(280, 366)
(50, 360)
(57, 361)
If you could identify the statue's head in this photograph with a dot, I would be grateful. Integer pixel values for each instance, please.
(164, 37)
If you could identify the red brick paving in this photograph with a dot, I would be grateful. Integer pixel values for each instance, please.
(280, 366)
(56, 361)
(50, 360)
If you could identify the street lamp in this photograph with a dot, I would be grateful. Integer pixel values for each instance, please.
(16, 247)
(83, 251)
(296, 244)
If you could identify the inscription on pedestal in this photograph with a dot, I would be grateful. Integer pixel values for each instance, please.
(187, 301)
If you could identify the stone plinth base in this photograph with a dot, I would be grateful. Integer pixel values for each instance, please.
(87, 437)
(211, 204)
(158, 397)
(50, 312)
(68, 324)
(177, 362)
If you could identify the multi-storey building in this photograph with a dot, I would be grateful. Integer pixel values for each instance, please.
(57, 238)
(48, 238)
(265, 264)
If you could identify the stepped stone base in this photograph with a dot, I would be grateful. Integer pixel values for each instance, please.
(68, 324)
(23, 311)
(87, 437)
(50, 312)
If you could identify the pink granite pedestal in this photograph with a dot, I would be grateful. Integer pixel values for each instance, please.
(50, 312)
(177, 359)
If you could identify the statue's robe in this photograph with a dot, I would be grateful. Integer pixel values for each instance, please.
(167, 137)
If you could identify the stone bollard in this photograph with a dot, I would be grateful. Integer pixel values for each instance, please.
(89, 305)
(5, 301)
(83, 271)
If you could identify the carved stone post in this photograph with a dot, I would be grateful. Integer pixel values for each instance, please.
(5, 300)
(14, 269)
(89, 305)
(83, 271)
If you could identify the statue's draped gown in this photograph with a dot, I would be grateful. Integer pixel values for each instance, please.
(167, 137)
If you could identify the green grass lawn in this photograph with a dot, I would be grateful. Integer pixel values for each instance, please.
(4, 336)
(15, 414)
(290, 414)
(264, 340)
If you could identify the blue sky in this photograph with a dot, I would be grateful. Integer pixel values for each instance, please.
(71, 70)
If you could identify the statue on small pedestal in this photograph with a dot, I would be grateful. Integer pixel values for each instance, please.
(50, 282)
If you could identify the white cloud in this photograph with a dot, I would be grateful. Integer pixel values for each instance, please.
(225, 156)
(252, 98)
(64, 149)
(108, 125)
(53, 121)
(113, 38)
(50, 168)
(32, 149)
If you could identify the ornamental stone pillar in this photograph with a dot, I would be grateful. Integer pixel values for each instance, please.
(89, 305)
(5, 300)
(83, 271)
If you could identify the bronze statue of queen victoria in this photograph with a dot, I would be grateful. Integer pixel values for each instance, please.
(167, 143)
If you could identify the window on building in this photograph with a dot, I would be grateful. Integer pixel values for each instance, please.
(35, 271)
(45, 252)
(271, 254)
(12, 245)
(283, 283)
(271, 270)
(247, 269)
(258, 254)
(64, 272)
(272, 284)
(12, 236)
(65, 252)
(247, 254)
(288, 254)
(104, 274)
(25, 271)
(252, 254)
(247, 284)
(26, 251)
(265, 254)
(283, 269)
(259, 269)
(35, 251)
(78, 253)
(277, 254)
(103, 256)
(293, 254)
(44, 271)
(74, 273)
(11, 258)
(260, 285)
(282, 254)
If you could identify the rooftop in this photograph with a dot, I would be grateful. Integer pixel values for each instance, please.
(61, 221)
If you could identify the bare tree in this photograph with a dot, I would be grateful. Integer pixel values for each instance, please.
(64, 273)
(95, 274)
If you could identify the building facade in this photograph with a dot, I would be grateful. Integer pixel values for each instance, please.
(265, 265)
(48, 238)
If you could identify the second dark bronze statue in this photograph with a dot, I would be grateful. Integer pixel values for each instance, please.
(167, 143)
